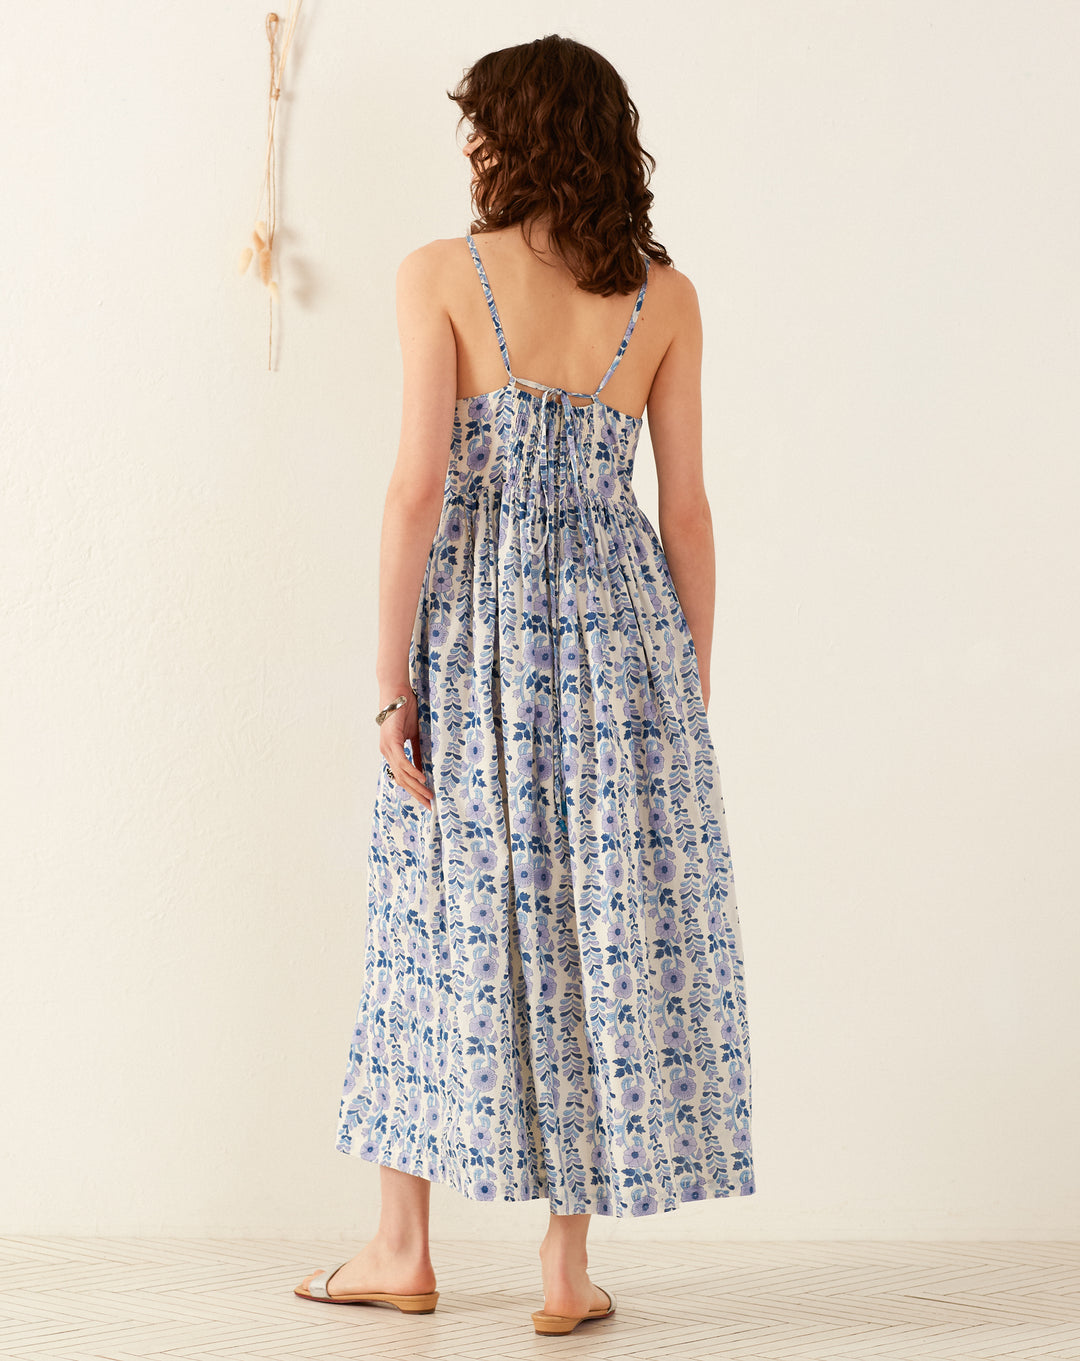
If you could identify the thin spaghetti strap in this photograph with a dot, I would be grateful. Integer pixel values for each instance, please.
(490, 302)
(629, 329)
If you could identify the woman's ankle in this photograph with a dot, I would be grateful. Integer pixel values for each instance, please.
(567, 1255)
(402, 1248)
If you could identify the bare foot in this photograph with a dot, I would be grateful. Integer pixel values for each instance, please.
(571, 1304)
(567, 1288)
(376, 1268)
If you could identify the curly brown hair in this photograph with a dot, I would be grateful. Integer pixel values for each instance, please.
(560, 137)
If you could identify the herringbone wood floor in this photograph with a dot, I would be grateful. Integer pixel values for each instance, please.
(179, 1299)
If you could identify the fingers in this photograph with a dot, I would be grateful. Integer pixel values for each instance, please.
(409, 778)
(400, 728)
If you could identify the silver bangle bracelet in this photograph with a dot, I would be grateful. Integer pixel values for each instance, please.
(394, 704)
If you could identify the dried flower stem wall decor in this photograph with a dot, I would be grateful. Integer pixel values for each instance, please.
(263, 234)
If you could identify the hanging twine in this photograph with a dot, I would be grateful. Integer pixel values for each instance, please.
(263, 235)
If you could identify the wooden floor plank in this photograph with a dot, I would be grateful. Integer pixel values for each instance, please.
(230, 1299)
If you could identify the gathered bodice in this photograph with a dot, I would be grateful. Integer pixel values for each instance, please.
(509, 438)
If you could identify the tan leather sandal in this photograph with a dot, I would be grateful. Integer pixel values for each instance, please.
(557, 1324)
(408, 1304)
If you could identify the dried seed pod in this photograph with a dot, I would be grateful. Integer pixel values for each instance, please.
(264, 264)
(245, 259)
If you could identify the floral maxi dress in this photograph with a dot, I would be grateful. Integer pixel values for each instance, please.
(553, 1000)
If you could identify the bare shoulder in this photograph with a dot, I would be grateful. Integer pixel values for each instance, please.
(422, 261)
(432, 266)
(674, 289)
(435, 253)
(675, 324)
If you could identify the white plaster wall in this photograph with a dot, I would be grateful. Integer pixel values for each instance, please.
(879, 207)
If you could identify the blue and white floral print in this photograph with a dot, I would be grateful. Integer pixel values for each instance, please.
(553, 1000)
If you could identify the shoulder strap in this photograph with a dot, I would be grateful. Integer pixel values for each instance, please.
(629, 328)
(490, 302)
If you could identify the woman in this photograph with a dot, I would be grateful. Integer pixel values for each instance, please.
(553, 998)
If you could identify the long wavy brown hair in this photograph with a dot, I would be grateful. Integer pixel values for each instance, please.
(559, 137)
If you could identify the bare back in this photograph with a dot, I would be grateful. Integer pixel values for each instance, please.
(554, 329)
(557, 334)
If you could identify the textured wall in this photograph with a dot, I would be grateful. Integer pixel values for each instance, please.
(878, 205)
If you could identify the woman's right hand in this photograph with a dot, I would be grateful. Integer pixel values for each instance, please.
(398, 727)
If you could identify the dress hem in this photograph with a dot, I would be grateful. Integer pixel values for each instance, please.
(626, 1210)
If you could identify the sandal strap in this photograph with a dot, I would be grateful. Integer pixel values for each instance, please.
(317, 1285)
